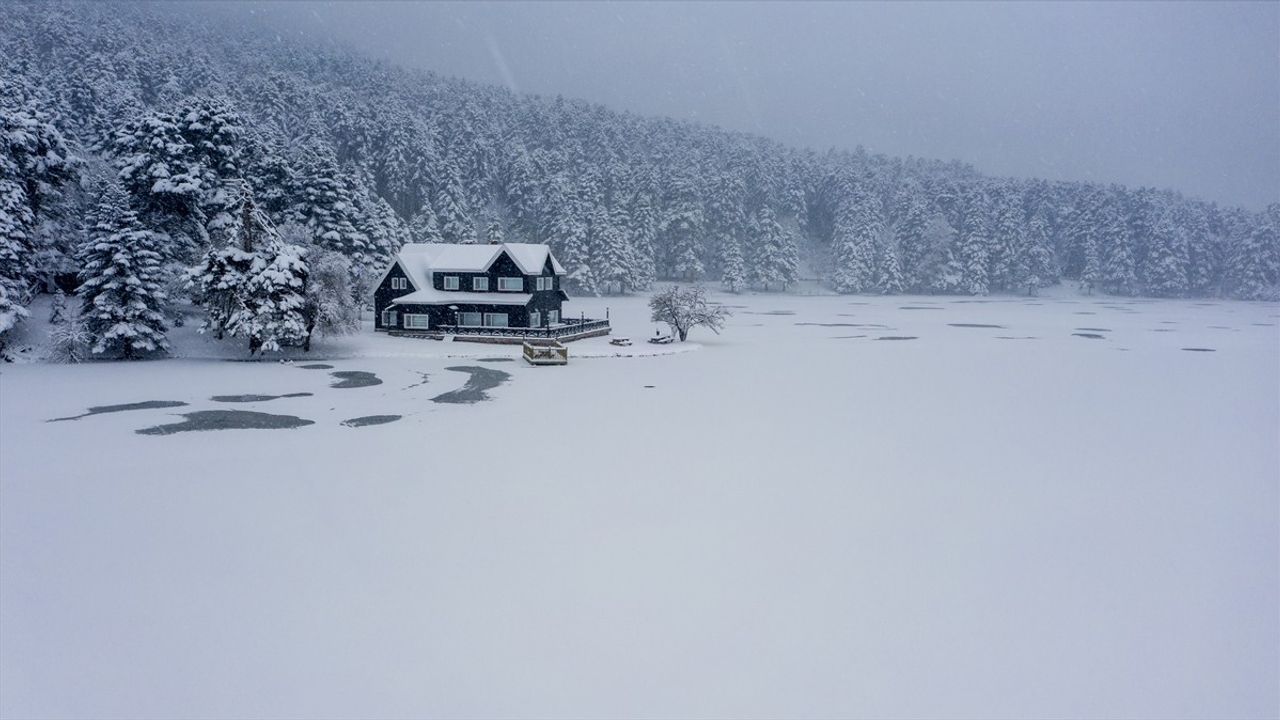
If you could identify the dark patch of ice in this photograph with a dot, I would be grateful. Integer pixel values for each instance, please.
(354, 379)
(1091, 336)
(1163, 330)
(422, 381)
(1263, 324)
(103, 409)
(202, 420)
(1219, 327)
(316, 366)
(1095, 329)
(371, 420)
(919, 307)
(650, 386)
(847, 337)
(975, 325)
(771, 312)
(1084, 312)
(1195, 349)
(897, 337)
(256, 398)
(473, 391)
(1017, 337)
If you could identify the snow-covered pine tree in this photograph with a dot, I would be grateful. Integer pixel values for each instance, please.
(888, 271)
(423, 228)
(1117, 273)
(974, 242)
(271, 313)
(1008, 237)
(681, 230)
(733, 270)
(57, 307)
(1252, 273)
(942, 272)
(913, 250)
(121, 290)
(326, 205)
(773, 252)
(1091, 271)
(1035, 267)
(1165, 272)
(452, 215)
(35, 164)
(858, 225)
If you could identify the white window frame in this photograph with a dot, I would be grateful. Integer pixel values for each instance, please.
(546, 283)
(506, 319)
(463, 317)
(450, 282)
(411, 321)
(535, 319)
(390, 317)
(553, 317)
(480, 283)
(505, 282)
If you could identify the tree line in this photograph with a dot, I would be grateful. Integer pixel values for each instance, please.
(136, 138)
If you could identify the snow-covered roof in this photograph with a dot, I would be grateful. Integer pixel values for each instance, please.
(430, 296)
(419, 260)
(444, 257)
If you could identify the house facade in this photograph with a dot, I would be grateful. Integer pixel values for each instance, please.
(434, 287)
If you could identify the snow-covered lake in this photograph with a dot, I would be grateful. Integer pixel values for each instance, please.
(1034, 507)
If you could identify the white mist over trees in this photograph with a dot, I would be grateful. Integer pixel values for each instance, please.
(197, 120)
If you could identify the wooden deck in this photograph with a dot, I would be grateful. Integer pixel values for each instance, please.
(552, 353)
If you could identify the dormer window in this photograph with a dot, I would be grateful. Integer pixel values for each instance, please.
(546, 283)
(510, 284)
(480, 284)
(398, 283)
(450, 282)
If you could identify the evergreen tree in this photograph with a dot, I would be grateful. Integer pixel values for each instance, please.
(121, 289)
(424, 228)
(913, 248)
(857, 227)
(888, 272)
(1252, 273)
(1165, 273)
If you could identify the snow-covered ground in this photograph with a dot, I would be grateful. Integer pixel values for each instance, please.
(795, 519)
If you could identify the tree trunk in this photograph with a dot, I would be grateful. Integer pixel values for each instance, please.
(684, 333)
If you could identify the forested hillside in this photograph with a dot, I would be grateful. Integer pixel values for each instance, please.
(140, 140)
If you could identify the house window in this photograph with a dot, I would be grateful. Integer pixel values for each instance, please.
(480, 284)
(535, 319)
(546, 283)
(389, 318)
(420, 322)
(495, 319)
(399, 283)
(553, 317)
(450, 282)
(469, 318)
(510, 284)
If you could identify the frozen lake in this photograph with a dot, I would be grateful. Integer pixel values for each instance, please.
(1022, 507)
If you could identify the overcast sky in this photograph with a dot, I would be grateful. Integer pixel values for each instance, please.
(1183, 95)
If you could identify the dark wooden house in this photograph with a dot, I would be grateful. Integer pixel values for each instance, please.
(501, 289)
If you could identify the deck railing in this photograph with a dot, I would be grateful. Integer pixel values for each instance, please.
(566, 328)
(549, 354)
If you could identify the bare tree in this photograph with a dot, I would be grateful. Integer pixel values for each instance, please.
(683, 310)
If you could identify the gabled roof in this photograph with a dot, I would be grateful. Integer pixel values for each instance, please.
(421, 258)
